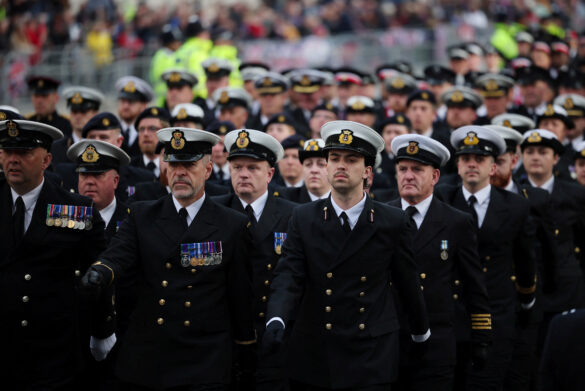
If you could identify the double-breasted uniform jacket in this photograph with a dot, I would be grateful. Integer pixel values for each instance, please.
(265, 256)
(506, 242)
(445, 251)
(567, 210)
(40, 297)
(338, 286)
(188, 314)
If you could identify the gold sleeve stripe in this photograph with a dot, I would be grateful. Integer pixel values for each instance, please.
(99, 263)
(525, 291)
(481, 315)
(245, 342)
(481, 327)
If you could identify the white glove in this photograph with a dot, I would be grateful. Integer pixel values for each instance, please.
(101, 347)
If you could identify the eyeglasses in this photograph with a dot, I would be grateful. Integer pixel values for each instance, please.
(148, 129)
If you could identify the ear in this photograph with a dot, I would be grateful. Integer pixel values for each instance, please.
(47, 160)
(116, 180)
(208, 167)
(367, 172)
(119, 141)
(493, 168)
(556, 158)
(436, 175)
(270, 172)
(515, 158)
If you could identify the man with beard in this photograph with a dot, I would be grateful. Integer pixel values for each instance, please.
(150, 121)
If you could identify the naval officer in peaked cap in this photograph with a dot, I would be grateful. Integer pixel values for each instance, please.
(339, 260)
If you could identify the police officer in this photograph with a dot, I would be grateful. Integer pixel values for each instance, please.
(83, 103)
(446, 254)
(49, 237)
(252, 156)
(508, 265)
(315, 184)
(197, 293)
(164, 59)
(45, 98)
(334, 277)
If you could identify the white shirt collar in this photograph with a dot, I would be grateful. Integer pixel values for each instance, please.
(315, 198)
(131, 132)
(192, 209)
(511, 186)
(576, 141)
(156, 162)
(225, 168)
(298, 184)
(30, 200)
(422, 208)
(428, 132)
(482, 196)
(548, 185)
(75, 137)
(108, 212)
(352, 213)
(257, 206)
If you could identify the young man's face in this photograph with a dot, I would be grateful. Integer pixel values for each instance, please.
(475, 170)
(460, 116)
(290, 166)
(421, 114)
(580, 170)
(315, 174)
(539, 160)
(389, 132)
(556, 126)
(346, 170)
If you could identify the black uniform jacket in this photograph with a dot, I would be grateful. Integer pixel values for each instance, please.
(445, 250)
(299, 195)
(187, 316)
(507, 244)
(54, 119)
(338, 286)
(40, 299)
(265, 256)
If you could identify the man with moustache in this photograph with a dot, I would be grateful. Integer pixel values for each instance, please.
(334, 277)
(315, 183)
(194, 257)
(446, 255)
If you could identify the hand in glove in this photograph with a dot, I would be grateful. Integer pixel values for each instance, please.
(273, 337)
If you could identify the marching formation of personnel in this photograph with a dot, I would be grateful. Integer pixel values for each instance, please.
(304, 230)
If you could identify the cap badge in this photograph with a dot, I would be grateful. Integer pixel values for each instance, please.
(41, 83)
(549, 110)
(400, 119)
(424, 95)
(313, 145)
(358, 105)
(471, 139)
(90, 155)
(2, 116)
(281, 118)
(106, 122)
(178, 140)
(412, 148)
(583, 152)
(305, 81)
(182, 114)
(243, 140)
(398, 83)
(267, 82)
(222, 129)
(213, 67)
(224, 97)
(534, 138)
(491, 85)
(175, 77)
(569, 103)
(346, 136)
(457, 97)
(129, 87)
(507, 123)
(76, 99)
(12, 129)
(154, 111)
(329, 106)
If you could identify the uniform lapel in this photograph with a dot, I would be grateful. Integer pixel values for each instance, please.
(203, 225)
(168, 221)
(496, 212)
(38, 227)
(268, 219)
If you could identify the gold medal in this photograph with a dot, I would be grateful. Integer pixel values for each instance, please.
(50, 222)
(278, 249)
(194, 261)
(57, 222)
(201, 261)
(444, 255)
(70, 224)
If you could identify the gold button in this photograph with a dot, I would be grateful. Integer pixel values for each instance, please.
(193, 271)
(160, 321)
(362, 294)
(363, 279)
(328, 292)
(109, 318)
(513, 278)
(189, 286)
(362, 326)
(487, 258)
(267, 282)
(261, 314)
(24, 323)
(556, 232)
(269, 267)
(329, 275)
(187, 304)
(27, 277)
(264, 298)
(77, 273)
(164, 284)
(485, 269)
(187, 323)
(328, 326)
(362, 310)
(327, 309)
(455, 296)
(457, 282)
(390, 283)
(25, 299)
(168, 265)
(422, 288)
(162, 302)
(423, 276)
(577, 250)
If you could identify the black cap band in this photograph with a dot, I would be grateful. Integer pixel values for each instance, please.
(482, 147)
(346, 140)
(253, 150)
(417, 154)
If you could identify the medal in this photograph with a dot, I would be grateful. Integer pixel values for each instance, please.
(64, 219)
(185, 260)
(57, 212)
(88, 223)
(49, 221)
(278, 249)
(444, 248)
(444, 255)
(81, 225)
(279, 238)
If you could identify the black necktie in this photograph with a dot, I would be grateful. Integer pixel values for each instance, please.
(250, 211)
(411, 211)
(183, 215)
(345, 225)
(19, 219)
(151, 166)
(472, 200)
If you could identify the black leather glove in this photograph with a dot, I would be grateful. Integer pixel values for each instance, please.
(273, 337)
(479, 355)
(95, 279)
